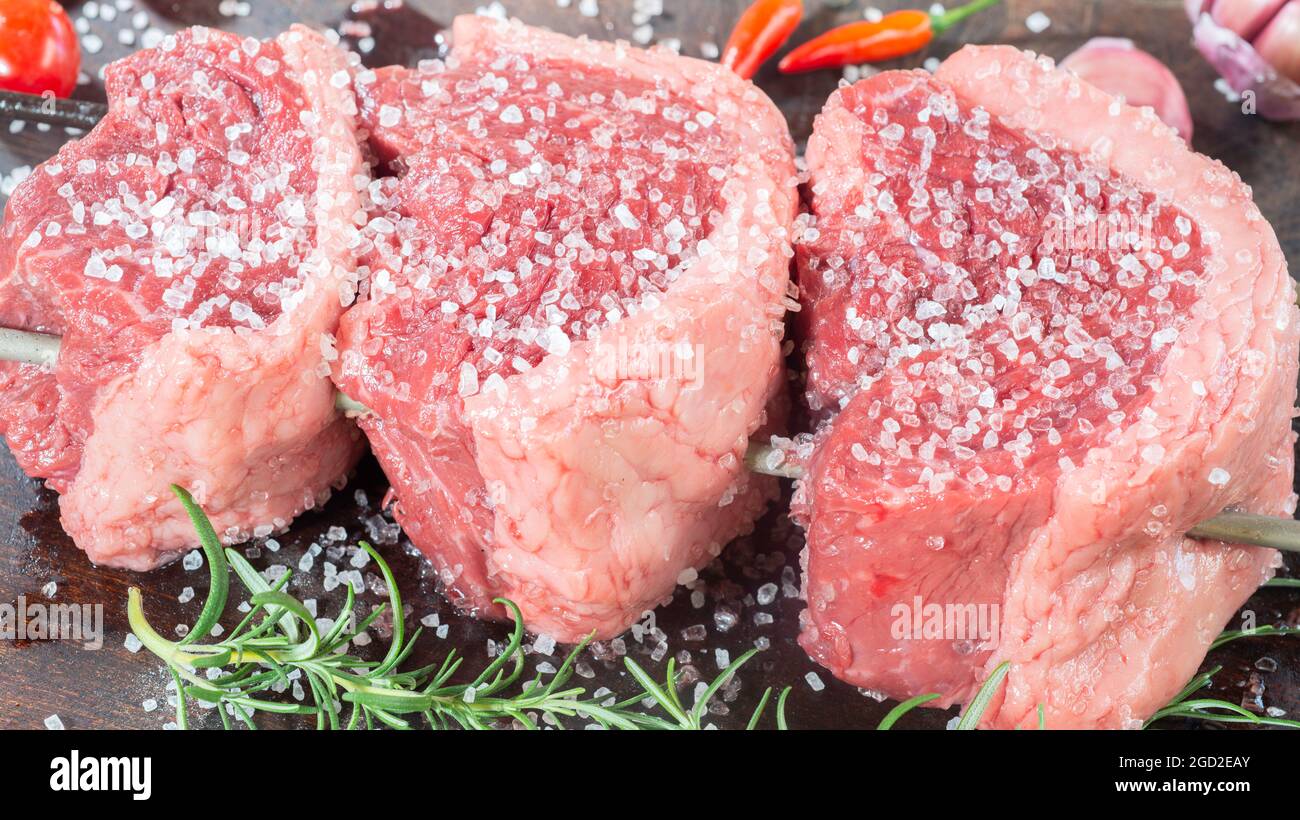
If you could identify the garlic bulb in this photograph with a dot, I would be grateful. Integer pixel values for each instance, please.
(1255, 45)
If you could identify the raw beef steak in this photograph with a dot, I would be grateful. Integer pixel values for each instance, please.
(192, 251)
(1046, 339)
(576, 279)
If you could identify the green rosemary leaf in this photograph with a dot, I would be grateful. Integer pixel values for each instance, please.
(1195, 685)
(1190, 706)
(758, 710)
(903, 708)
(204, 694)
(241, 629)
(332, 641)
(291, 606)
(1256, 632)
(975, 709)
(273, 706)
(395, 602)
(213, 661)
(512, 648)
(225, 719)
(565, 671)
(390, 700)
(215, 554)
(626, 721)
(701, 704)
(322, 691)
(449, 666)
(780, 708)
(653, 689)
(670, 686)
(182, 715)
(253, 579)
(1291, 583)
(403, 654)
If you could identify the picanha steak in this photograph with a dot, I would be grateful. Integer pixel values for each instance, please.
(193, 252)
(574, 284)
(1045, 339)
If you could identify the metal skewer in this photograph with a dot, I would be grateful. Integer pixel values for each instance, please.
(1248, 528)
(28, 348)
(50, 110)
(1229, 527)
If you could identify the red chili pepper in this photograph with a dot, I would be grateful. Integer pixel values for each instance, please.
(760, 31)
(894, 35)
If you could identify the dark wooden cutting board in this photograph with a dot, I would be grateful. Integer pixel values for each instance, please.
(107, 687)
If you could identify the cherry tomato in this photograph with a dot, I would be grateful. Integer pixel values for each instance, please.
(38, 48)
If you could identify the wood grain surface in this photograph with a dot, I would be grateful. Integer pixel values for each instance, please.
(108, 687)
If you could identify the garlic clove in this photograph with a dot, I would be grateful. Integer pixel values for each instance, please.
(1118, 67)
(1279, 42)
(1245, 70)
(1245, 17)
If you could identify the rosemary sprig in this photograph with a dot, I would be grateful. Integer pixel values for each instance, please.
(279, 641)
(1185, 706)
(1215, 709)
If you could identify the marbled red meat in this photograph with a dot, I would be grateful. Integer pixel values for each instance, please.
(192, 251)
(550, 201)
(1044, 340)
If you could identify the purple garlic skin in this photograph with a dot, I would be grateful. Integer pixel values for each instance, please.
(1118, 67)
(1255, 46)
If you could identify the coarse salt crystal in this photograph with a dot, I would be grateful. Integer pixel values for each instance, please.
(468, 384)
(544, 644)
